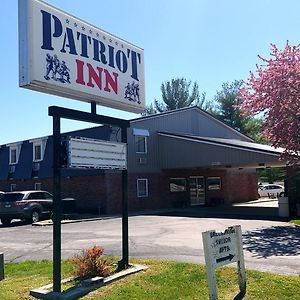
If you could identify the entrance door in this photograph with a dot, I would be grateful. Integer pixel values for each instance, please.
(197, 190)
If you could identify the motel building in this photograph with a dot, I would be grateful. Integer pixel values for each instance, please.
(180, 158)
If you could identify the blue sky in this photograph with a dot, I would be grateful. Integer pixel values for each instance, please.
(208, 41)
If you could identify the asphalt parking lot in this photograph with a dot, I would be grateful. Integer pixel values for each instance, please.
(269, 245)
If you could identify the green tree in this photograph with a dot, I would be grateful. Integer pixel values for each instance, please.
(227, 110)
(271, 175)
(178, 93)
(226, 100)
(149, 110)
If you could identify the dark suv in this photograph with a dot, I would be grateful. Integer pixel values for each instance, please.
(25, 205)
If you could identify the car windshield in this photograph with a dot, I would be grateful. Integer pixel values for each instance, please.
(261, 188)
(11, 197)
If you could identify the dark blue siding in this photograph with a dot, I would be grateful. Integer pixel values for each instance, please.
(4, 159)
(24, 167)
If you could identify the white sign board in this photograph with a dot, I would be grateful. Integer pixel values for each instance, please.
(222, 248)
(63, 55)
(97, 154)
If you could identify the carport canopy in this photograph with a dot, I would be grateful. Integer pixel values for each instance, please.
(188, 151)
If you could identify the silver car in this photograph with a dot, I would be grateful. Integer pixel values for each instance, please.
(271, 190)
(25, 205)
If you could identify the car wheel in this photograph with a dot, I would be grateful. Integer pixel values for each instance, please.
(281, 194)
(6, 222)
(35, 216)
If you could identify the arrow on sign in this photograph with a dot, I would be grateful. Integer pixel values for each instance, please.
(228, 257)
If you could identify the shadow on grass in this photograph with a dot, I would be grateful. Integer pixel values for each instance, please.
(275, 240)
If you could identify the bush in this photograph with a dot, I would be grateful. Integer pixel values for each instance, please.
(90, 263)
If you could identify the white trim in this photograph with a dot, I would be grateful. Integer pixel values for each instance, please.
(13, 187)
(38, 139)
(36, 184)
(145, 142)
(16, 144)
(137, 187)
(38, 142)
(34, 159)
(13, 149)
(17, 147)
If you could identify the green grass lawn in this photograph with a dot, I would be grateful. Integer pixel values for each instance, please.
(297, 221)
(163, 280)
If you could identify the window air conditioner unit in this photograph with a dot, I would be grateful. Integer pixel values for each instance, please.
(11, 169)
(35, 166)
(142, 160)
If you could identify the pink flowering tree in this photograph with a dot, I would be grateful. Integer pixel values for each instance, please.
(274, 90)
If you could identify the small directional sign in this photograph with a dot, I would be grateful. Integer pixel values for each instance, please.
(222, 248)
(227, 258)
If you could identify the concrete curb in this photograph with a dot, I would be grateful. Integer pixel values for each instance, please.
(222, 211)
(86, 286)
(68, 221)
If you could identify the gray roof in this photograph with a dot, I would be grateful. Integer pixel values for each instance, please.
(229, 143)
(207, 114)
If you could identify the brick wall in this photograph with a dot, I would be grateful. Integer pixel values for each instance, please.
(241, 185)
(103, 194)
(89, 191)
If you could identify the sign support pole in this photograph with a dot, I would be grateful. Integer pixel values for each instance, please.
(211, 276)
(241, 262)
(56, 206)
(57, 113)
(93, 107)
(123, 264)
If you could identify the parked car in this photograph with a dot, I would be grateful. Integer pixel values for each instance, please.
(25, 205)
(270, 190)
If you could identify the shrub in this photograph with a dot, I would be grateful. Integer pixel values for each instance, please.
(90, 263)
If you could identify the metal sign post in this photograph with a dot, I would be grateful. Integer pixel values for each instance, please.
(123, 264)
(56, 206)
(57, 113)
(222, 248)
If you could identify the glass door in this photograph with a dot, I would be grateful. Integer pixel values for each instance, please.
(197, 190)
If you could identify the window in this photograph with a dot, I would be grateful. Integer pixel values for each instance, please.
(213, 183)
(37, 152)
(141, 144)
(47, 196)
(142, 187)
(177, 184)
(33, 196)
(14, 152)
(140, 138)
(13, 187)
(38, 149)
(37, 186)
(13, 156)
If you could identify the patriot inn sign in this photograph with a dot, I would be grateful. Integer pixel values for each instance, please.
(66, 56)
